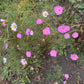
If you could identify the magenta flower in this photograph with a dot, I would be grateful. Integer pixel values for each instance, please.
(67, 35)
(38, 21)
(75, 35)
(62, 29)
(27, 31)
(46, 31)
(58, 10)
(6, 46)
(31, 68)
(53, 53)
(74, 56)
(66, 76)
(19, 35)
(28, 53)
(73, 11)
(34, 57)
(4, 24)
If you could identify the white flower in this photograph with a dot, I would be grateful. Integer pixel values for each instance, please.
(45, 13)
(2, 20)
(13, 26)
(31, 32)
(4, 60)
(23, 61)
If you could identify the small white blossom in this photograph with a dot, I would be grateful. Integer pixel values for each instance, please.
(31, 32)
(45, 13)
(13, 26)
(4, 60)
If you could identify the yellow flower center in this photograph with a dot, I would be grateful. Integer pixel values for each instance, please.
(59, 9)
(38, 21)
(74, 34)
(14, 26)
(4, 22)
(24, 61)
(45, 14)
(66, 35)
(74, 56)
(63, 28)
(46, 31)
(53, 52)
(66, 28)
(19, 35)
(28, 53)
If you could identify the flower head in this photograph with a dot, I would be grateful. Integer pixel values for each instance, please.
(64, 82)
(74, 56)
(34, 57)
(4, 60)
(67, 35)
(38, 21)
(62, 29)
(31, 32)
(66, 76)
(28, 53)
(58, 10)
(53, 53)
(27, 31)
(75, 35)
(31, 68)
(45, 13)
(46, 31)
(13, 26)
(19, 35)
(67, 28)
(23, 61)
(6, 46)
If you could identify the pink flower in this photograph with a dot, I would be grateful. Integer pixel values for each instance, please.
(67, 28)
(73, 11)
(58, 10)
(0, 31)
(19, 35)
(27, 31)
(31, 68)
(28, 53)
(67, 35)
(46, 31)
(74, 56)
(64, 82)
(23, 61)
(75, 35)
(34, 57)
(38, 21)
(66, 76)
(4, 24)
(6, 46)
(53, 53)
(62, 29)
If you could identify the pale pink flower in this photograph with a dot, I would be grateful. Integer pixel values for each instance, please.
(67, 28)
(74, 56)
(6, 46)
(27, 31)
(75, 35)
(66, 76)
(53, 53)
(28, 53)
(73, 11)
(23, 61)
(46, 31)
(19, 35)
(64, 82)
(31, 68)
(34, 57)
(38, 21)
(58, 10)
(67, 35)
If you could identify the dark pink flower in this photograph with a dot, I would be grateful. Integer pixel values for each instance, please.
(66, 76)
(46, 31)
(28, 53)
(38, 21)
(74, 56)
(53, 53)
(75, 35)
(19, 35)
(58, 10)
(6, 46)
(31, 68)
(27, 31)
